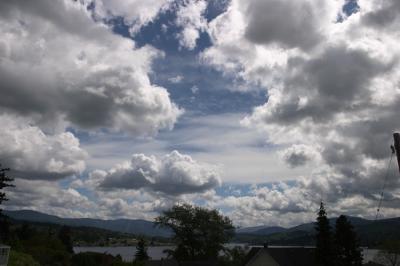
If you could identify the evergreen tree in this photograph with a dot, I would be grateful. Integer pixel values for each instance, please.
(4, 223)
(141, 250)
(323, 247)
(4, 182)
(348, 252)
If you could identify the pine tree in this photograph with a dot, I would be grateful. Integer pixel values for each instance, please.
(141, 251)
(4, 182)
(347, 247)
(323, 249)
(4, 223)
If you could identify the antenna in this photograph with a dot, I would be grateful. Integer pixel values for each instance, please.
(396, 137)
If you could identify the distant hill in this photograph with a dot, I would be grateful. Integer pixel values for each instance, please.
(137, 227)
(370, 233)
(261, 230)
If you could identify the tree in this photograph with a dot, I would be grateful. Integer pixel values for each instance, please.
(389, 253)
(348, 252)
(199, 233)
(65, 237)
(4, 182)
(233, 257)
(323, 247)
(141, 251)
(4, 223)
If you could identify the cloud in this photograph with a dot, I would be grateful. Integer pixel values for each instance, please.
(134, 13)
(190, 17)
(176, 79)
(57, 64)
(331, 86)
(382, 15)
(48, 197)
(298, 155)
(288, 23)
(32, 154)
(173, 174)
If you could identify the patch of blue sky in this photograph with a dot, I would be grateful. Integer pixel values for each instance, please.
(247, 189)
(66, 184)
(198, 88)
(350, 7)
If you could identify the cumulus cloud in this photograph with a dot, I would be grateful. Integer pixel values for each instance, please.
(48, 197)
(135, 13)
(57, 64)
(331, 86)
(273, 21)
(172, 174)
(298, 155)
(32, 154)
(190, 18)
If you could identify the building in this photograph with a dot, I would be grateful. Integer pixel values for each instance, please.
(281, 256)
(4, 253)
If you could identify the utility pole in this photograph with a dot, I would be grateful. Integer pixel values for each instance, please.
(396, 137)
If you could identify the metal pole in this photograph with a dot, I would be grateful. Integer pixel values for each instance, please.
(396, 137)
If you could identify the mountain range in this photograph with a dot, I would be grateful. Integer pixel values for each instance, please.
(137, 227)
(370, 232)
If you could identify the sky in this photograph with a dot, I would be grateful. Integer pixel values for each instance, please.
(258, 108)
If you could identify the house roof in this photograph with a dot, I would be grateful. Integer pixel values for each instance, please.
(286, 256)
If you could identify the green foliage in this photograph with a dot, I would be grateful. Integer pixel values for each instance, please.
(65, 237)
(4, 182)
(199, 233)
(340, 249)
(141, 251)
(348, 252)
(233, 257)
(21, 259)
(323, 247)
(97, 259)
(45, 249)
(25, 232)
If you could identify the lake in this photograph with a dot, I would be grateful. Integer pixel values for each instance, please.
(127, 253)
(156, 252)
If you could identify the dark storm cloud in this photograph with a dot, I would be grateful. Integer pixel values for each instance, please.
(385, 16)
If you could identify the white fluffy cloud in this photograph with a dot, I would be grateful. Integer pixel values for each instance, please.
(57, 64)
(190, 18)
(331, 86)
(173, 174)
(135, 13)
(48, 197)
(32, 154)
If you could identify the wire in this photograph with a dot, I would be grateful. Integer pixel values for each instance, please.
(381, 196)
(383, 187)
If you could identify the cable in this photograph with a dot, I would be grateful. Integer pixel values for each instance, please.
(381, 196)
(383, 187)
